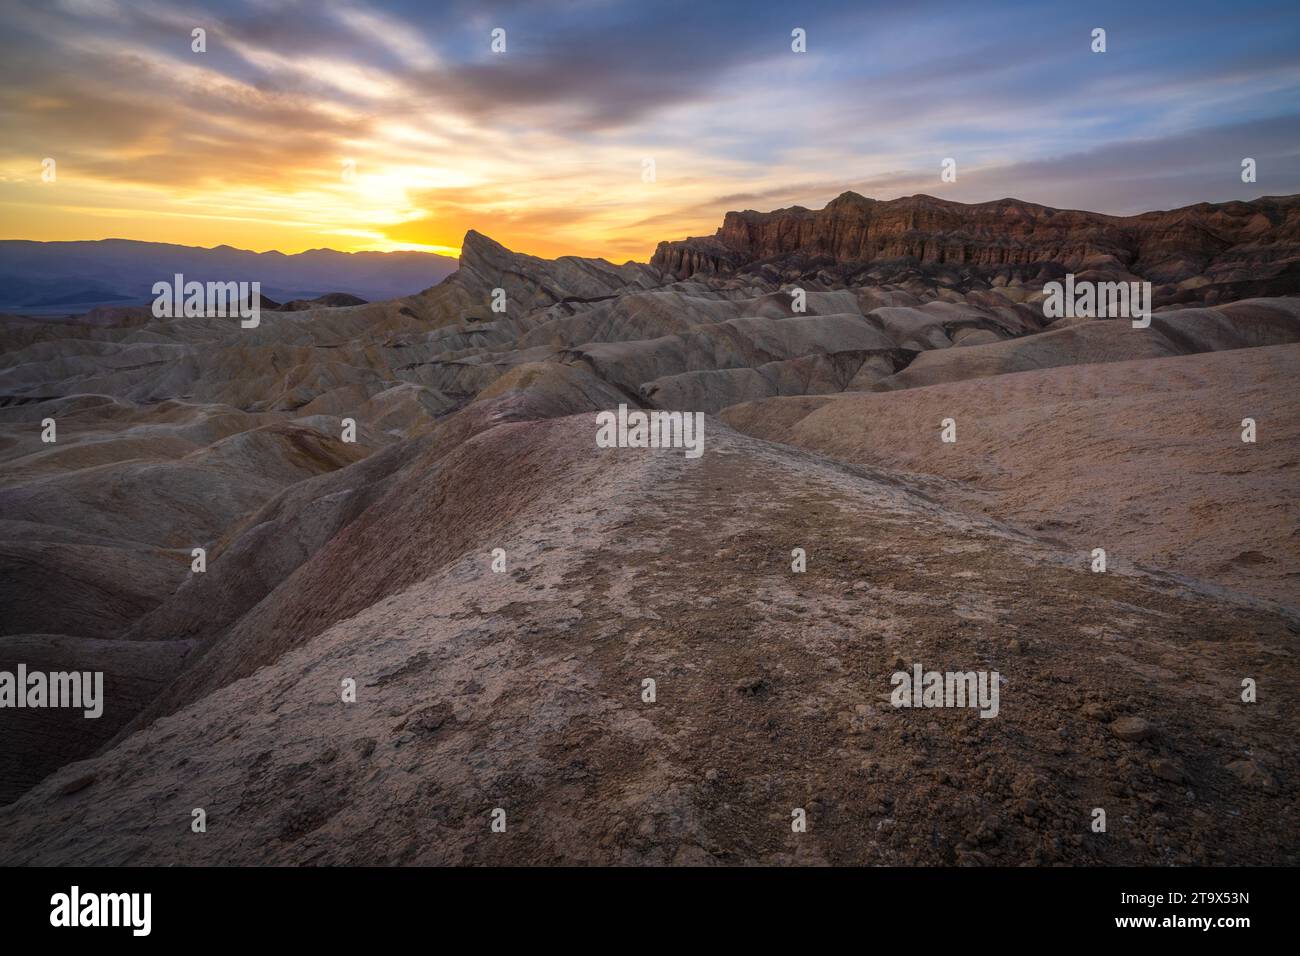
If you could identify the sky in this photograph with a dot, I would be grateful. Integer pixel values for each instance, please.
(603, 128)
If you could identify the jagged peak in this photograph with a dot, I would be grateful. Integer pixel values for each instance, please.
(476, 240)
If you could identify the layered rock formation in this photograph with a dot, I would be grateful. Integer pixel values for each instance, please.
(1207, 252)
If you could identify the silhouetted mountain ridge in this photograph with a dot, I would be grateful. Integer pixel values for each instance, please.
(76, 276)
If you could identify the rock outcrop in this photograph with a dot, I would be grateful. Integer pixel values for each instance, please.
(1204, 253)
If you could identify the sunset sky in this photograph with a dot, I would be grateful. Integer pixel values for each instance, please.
(542, 147)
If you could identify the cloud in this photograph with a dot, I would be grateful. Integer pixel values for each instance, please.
(542, 146)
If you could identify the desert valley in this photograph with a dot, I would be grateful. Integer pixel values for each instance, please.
(363, 582)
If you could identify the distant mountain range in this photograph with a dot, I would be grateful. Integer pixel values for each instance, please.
(58, 277)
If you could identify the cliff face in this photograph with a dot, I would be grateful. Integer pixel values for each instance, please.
(1254, 244)
(707, 255)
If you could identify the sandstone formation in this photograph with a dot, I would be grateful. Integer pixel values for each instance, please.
(1205, 253)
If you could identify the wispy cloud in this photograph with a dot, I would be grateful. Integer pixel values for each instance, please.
(543, 146)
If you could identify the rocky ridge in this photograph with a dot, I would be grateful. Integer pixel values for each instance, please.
(1203, 253)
